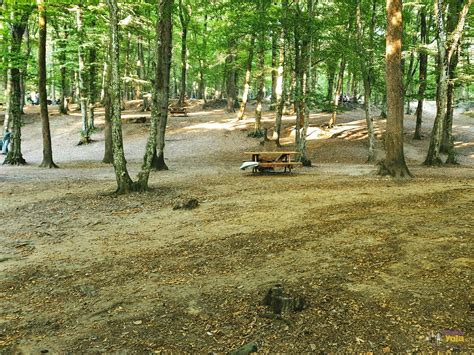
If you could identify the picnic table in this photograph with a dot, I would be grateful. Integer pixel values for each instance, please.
(174, 110)
(268, 161)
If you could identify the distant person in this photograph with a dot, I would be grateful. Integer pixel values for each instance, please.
(4, 143)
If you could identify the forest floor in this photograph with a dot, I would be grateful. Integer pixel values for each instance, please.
(383, 265)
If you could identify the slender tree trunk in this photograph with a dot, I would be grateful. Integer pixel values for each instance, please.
(260, 76)
(337, 94)
(124, 182)
(24, 71)
(280, 82)
(92, 86)
(164, 66)
(126, 86)
(331, 73)
(445, 57)
(47, 149)
(366, 69)
(304, 83)
(17, 28)
(82, 80)
(248, 71)
(274, 67)
(9, 94)
(423, 71)
(231, 76)
(448, 139)
(394, 163)
(140, 63)
(63, 106)
(108, 148)
(160, 93)
(184, 17)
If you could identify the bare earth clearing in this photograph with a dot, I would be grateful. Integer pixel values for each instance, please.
(381, 264)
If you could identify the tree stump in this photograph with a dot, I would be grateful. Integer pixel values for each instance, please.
(280, 302)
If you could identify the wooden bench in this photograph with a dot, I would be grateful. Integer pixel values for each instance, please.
(268, 161)
(178, 111)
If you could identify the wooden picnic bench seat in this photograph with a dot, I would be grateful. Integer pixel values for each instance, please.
(268, 161)
(178, 110)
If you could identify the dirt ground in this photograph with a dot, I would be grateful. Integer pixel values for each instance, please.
(383, 266)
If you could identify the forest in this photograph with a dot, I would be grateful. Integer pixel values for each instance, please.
(127, 225)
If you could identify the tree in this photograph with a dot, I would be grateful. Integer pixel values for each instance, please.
(47, 149)
(124, 182)
(366, 63)
(160, 95)
(162, 79)
(248, 71)
(17, 24)
(423, 72)
(185, 12)
(82, 78)
(446, 54)
(394, 163)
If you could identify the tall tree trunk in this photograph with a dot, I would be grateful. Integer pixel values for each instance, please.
(394, 163)
(304, 74)
(274, 67)
(92, 86)
(423, 71)
(126, 85)
(124, 182)
(280, 82)
(140, 63)
(164, 30)
(17, 28)
(47, 149)
(82, 80)
(184, 17)
(108, 144)
(160, 92)
(231, 76)
(62, 42)
(248, 71)
(337, 94)
(24, 71)
(448, 140)
(260, 75)
(447, 144)
(445, 56)
(331, 73)
(366, 63)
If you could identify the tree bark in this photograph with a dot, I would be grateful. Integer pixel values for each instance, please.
(162, 97)
(160, 92)
(108, 144)
(47, 149)
(248, 71)
(17, 29)
(274, 67)
(304, 73)
(260, 77)
(124, 182)
(231, 76)
(366, 63)
(63, 105)
(280, 82)
(445, 56)
(423, 71)
(337, 94)
(92, 86)
(184, 17)
(394, 163)
(82, 80)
